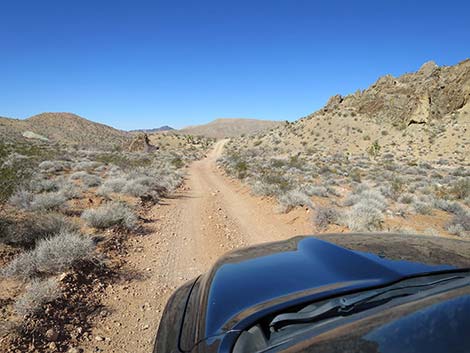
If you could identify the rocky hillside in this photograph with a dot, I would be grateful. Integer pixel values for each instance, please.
(221, 128)
(425, 114)
(65, 128)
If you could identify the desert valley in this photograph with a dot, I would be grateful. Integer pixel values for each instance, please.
(98, 226)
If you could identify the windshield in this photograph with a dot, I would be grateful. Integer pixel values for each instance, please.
(281, 327)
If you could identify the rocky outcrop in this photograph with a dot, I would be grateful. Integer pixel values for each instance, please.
(430, 94)
(141, 143)
(32, 135)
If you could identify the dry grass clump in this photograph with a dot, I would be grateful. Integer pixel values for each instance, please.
(109, 215)
(51, 256)
(38, 293)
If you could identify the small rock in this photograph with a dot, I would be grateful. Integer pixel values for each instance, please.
(52, 334)
(74, 350)
(145, 327)
(99, 338)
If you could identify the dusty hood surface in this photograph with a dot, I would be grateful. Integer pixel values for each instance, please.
(244, 284)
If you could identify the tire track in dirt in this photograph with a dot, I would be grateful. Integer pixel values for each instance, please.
(209, 216)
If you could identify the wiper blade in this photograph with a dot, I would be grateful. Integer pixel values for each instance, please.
(345, 305)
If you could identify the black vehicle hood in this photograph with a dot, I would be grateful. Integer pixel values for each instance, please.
(245, 285)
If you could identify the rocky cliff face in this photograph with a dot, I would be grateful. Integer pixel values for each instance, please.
(431, 93)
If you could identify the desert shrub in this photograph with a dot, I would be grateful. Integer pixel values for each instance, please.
(356, 175)
(78, 175)
(43, 185)
(18, 163)
(111, 185)
(326, 216)
(87, 179)
(46, 165)
(314, 190)
(364, 216)
(35, 227)
(53, 166)
(397, 187)
(292, 199)
(371, 197)
(264, 189)
(374, 149)
(111, 214)
(91, 180)
(21, 199)
(70, 190)
(48, 201)
(459, 224)
(135, 188)
(461, 188)
(37, 294)
(406, 198)
(86, 165)
(456, 229)
(422, 207)
(448, 206)
(51, 256)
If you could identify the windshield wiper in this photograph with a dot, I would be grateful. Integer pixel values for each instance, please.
(347, 305)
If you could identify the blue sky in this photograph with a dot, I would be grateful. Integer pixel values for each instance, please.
(142, 64)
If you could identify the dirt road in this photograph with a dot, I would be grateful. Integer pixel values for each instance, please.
(208, 217)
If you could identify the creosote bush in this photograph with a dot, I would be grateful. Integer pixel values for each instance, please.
(110, 214)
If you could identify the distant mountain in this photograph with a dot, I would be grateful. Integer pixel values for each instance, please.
(65, 128)
(158, 129)
(230, 127)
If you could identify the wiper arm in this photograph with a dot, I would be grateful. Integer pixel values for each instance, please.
(346, 305)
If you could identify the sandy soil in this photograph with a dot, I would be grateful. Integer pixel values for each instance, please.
(209, 216)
